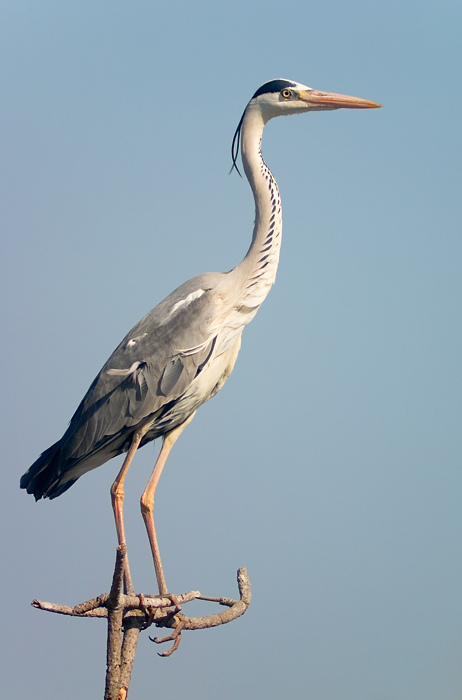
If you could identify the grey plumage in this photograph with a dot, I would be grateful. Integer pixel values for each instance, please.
(181, 353)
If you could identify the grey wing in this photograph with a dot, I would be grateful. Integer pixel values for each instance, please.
(153, 366)
(145, 379)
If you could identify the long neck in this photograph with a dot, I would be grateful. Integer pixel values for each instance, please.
(258, 269)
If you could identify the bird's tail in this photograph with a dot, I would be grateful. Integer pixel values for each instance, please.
(42, 478)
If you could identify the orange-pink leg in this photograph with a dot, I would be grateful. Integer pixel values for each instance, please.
(147, 501)
(117, 497)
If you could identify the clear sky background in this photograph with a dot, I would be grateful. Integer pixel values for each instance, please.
(330, 464)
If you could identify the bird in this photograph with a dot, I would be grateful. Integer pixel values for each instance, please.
(181, 353)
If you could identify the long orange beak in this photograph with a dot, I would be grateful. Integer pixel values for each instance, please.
(330, 100)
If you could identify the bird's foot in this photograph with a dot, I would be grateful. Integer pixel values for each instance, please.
(155, 614)
(175, 637)
(150, 611)
(174, 601)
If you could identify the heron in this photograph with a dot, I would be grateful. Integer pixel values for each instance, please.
(181, 353)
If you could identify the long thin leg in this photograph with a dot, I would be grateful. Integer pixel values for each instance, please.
(117, 498)
(147, 501)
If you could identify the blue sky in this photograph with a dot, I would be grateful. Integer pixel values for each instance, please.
(329, 465)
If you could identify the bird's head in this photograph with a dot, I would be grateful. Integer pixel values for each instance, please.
(279, 97)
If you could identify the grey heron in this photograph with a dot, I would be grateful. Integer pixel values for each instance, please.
(182, 352)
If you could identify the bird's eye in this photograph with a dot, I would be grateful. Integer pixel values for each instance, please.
(286, 93)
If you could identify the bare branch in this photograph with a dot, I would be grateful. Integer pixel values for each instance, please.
(68, 610)
(128, 615)
(132, 628)
(236, 607)
(97, 607)
(114, 635)
(181, 622)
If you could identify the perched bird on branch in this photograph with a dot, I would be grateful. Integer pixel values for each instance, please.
(182, 352)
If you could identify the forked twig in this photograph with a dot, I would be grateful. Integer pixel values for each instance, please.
(128, 615)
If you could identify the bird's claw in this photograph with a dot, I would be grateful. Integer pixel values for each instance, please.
(175, 637)
(178, 623)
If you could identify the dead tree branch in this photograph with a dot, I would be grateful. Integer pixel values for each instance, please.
(115, 611)
(128, 615)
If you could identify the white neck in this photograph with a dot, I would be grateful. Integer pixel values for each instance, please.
(258, 269)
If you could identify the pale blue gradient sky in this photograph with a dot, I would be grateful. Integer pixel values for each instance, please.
(330, 463)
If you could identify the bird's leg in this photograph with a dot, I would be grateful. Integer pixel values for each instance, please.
(147, 501)
(117, 497)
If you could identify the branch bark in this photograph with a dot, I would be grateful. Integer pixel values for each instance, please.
(115, 611)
